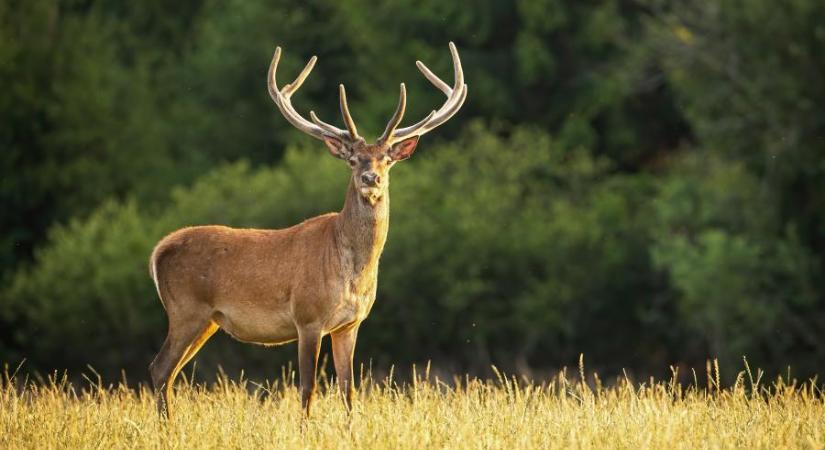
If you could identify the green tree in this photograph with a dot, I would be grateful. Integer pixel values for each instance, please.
(78, 121)
(739, 290)
(745, 74)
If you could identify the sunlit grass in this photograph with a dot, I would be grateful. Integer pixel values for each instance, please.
(425, 413)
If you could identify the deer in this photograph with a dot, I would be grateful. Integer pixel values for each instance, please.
(316, 278)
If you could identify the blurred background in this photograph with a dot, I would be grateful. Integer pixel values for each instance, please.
(638, 181)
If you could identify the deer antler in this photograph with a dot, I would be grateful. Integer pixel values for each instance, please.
(316, 128)
(455, 98)
(321, 130)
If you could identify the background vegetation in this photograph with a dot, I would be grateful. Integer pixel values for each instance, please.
(637, 180)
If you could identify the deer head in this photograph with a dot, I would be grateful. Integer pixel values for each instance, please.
(370, 163)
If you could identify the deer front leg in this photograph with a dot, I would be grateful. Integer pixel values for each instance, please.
(309, 345)
(343, 348)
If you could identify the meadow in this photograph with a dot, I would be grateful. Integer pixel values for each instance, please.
(425, 412)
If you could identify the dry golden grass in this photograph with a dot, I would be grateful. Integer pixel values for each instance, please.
(502, 413)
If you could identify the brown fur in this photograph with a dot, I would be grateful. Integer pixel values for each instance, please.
(275, 286)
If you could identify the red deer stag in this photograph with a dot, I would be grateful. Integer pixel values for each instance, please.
(315, 278)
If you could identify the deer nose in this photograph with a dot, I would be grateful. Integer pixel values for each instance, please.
(370, 178)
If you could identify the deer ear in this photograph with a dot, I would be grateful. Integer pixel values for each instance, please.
(337, 147)
(404, 149)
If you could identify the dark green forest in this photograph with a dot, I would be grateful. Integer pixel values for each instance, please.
(638, 181)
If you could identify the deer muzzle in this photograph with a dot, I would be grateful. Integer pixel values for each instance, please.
(370, 179)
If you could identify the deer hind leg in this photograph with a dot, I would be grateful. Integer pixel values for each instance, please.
(184, 340)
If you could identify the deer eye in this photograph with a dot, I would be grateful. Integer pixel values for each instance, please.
(352, 162)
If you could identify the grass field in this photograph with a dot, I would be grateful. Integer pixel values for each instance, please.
(425, 413)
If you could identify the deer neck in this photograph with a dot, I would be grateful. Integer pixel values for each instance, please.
(362, 232)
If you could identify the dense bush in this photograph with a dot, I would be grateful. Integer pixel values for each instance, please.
(740, 288)
(512, 251)
(89, 298)
(507, 250)
(500, 249)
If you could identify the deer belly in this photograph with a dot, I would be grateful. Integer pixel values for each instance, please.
(257, 325)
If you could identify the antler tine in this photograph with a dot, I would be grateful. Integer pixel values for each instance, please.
(290, 88)
(281, 97)
(397, 116)
(342, 94)
(326, 126)
(458, 72)
(273, 67)
(333, 129)
(455, 99)
(442, 86)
